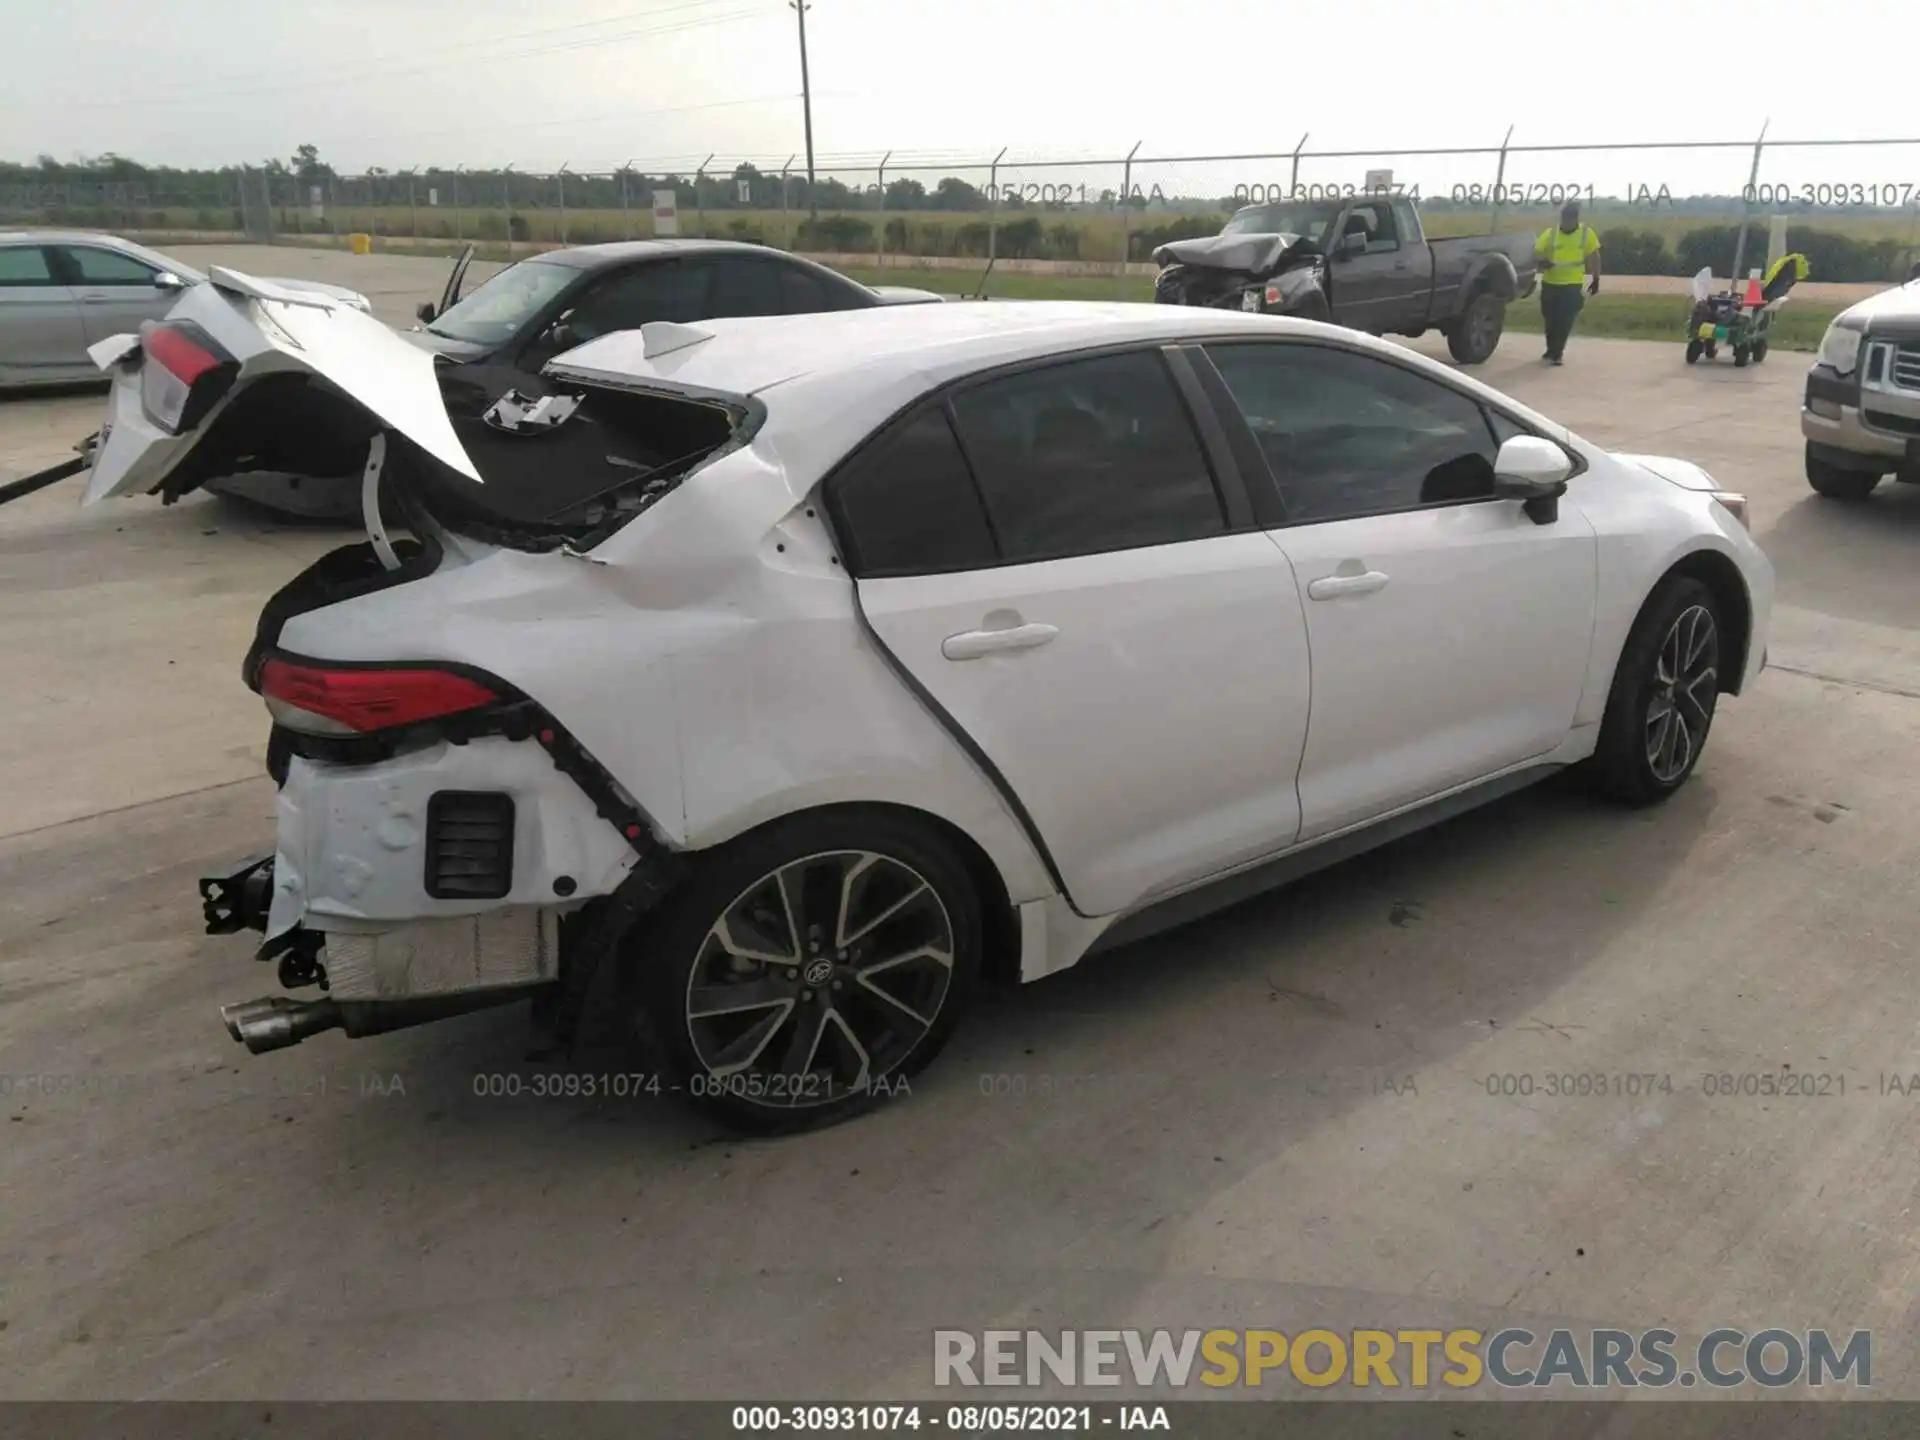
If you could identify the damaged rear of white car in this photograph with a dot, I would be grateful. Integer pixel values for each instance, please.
(802, 668)
(499, 736)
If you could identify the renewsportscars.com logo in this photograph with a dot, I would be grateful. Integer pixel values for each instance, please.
(1583, 1360)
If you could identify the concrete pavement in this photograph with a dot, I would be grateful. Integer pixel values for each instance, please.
(1280, 1117)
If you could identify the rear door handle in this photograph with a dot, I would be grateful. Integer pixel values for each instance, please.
(972, 644)
(1331, 587)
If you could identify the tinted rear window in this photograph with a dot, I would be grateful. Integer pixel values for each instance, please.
(1088, 456)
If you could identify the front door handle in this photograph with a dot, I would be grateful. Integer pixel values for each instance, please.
(1331, 587)
(972, 644)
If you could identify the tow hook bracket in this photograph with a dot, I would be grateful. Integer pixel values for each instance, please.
(240, 899)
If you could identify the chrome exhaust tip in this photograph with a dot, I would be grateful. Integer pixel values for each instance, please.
(274, 1022)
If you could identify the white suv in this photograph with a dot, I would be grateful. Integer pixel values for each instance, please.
(809, 668)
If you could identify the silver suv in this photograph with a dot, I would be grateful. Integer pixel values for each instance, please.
(1861, 413)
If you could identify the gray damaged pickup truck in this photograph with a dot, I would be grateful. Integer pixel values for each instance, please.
(1363, 262)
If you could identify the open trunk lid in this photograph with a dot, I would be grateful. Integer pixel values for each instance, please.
(232, 335)
(245, 378)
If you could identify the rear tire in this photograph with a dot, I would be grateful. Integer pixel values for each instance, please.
(1475, 335)
(1759, 351)
(1739, 357)
(1665, 687)
(1837, 483)
(883, 926)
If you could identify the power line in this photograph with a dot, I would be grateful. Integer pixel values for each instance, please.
(223, 96)
(201, 86)
(615, 117)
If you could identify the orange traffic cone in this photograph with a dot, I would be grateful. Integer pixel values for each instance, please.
(1754, 298)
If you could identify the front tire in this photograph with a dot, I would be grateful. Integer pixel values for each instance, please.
(1694, 350)
(808, 970)
(1476, 334)
(1837, 483)
(1664, 692)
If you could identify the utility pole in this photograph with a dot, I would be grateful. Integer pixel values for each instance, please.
(800, 8)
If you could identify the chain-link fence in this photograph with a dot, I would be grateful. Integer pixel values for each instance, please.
(1663, 208)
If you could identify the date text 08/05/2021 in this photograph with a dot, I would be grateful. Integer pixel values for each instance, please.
(951, 1419)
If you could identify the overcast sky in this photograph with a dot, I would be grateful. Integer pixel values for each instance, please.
(593, 83)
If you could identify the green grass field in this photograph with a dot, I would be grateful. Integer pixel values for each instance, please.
(1619, 317)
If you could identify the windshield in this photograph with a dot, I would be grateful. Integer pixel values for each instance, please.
(1306, 218)
(496, 311)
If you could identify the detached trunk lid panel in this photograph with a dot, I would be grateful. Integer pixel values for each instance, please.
(271, 330)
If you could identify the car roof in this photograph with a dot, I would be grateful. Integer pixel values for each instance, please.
(618, 252)
(935, 342)
(828, 380)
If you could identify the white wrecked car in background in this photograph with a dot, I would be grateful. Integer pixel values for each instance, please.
(810, 668)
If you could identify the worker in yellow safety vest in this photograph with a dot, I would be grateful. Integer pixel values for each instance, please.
(1569, 260)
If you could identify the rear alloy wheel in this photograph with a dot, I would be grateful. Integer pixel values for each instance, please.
(808, 973)
(1837, 483)
(1664, 692)
(1476, 334)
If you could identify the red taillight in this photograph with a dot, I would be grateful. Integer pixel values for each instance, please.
(185, 371)
(321, 701)
(187, 360)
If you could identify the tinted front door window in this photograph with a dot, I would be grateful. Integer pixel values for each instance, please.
(1349, 435)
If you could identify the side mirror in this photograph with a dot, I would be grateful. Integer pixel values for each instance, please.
(1351, 243)
(1533, 471)
(167, 280)
(424, 312)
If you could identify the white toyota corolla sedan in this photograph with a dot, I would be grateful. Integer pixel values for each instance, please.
(809, 669)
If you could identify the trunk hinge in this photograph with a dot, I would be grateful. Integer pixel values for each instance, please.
(370, 502)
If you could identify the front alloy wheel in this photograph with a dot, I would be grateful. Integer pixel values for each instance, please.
(1665, 688)
(1685, 683)
(807, 971)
